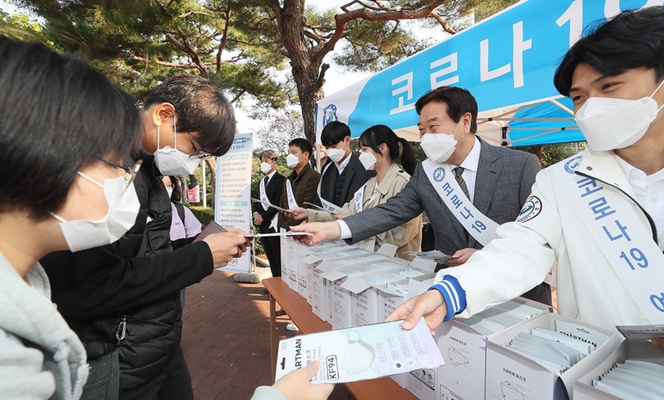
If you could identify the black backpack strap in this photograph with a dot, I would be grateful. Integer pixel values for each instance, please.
(180, 209)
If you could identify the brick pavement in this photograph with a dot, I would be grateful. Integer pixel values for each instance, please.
(226, 338)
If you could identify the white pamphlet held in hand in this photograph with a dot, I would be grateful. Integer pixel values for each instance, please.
(359, 353)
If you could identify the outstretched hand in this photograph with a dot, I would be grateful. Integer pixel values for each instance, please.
(296, 386)
(320, 231)
(297, 213)
(460, 257)
(429, 305)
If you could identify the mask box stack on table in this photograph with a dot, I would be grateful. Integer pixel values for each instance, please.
(338, 298)
(633, 371)
(512, 372)
(462, 342)
(365, 291)
(289, 248)
(304, 288)
(325, 261)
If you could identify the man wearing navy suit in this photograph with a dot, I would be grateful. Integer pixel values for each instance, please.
(265, 217)
(496, 180)
(343, 173)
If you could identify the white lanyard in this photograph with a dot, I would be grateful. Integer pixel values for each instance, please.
(331, 207)
(481, 227)
(289, 193)
(625, 243)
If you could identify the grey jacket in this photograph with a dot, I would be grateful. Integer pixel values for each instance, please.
(503, 182)
(40, 356)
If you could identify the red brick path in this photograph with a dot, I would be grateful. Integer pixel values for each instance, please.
(226, 338)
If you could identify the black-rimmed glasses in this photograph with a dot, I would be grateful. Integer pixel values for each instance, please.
(130, 172)
(201, 155)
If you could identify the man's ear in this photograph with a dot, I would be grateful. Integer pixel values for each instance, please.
(467, 122)
(347, 140)
(163, 112)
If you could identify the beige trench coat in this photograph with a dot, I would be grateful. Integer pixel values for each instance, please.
(407, 237)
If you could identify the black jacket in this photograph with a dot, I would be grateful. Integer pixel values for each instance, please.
(273, 192)
(356, 176)
(136, 279)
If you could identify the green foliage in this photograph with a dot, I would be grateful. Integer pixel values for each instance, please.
(203, 214)
(21, 27)
(554, 153)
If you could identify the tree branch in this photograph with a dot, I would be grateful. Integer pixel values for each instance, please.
(446, 27)
(224, 38)
(164, 63)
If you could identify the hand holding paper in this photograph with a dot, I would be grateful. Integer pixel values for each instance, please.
(320, 231)
(296, 213)
(297, 386)
(359, 353)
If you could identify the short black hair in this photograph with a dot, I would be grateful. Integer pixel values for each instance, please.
(632, 39)
(202, 109)
(458, 100)
(59, 115)
(303, 145)
(333, 133)
(379, 134)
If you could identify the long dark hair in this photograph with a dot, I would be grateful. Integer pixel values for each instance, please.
(379, 134)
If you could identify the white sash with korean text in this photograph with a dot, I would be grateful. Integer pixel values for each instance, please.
(289, 194)
(626, 244)
(331, 207)
(358, 197)
(264, 203)
(480, 227)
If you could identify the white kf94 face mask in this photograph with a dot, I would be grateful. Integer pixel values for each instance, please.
(368, 160)
(122, 211)
(265, 167)
(292, 160)
(610, 124)
(336, 154)
(439, 147)
(171, 161)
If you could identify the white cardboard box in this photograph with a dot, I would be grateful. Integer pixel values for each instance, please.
(366, 292)
(339, 299)
(512, 376)
(289, 261)
(464, 350)
(628, 349)
(318, 264)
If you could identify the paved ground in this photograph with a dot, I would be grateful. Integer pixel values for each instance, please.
(226, 338)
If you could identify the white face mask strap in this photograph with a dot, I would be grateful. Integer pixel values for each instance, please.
(653, 93)
(175, 134)
(658, 87)
(90, 179)
(158, 134)
(57, 217)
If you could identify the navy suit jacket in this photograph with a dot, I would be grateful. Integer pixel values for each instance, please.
(356, 176)
(273, 191)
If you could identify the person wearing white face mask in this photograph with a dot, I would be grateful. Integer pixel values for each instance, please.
(124, 298)
(51, 202)
(343, 173)
(269, 190)
(492, 185)
(598, 213)
(380, 151)
(300, 186)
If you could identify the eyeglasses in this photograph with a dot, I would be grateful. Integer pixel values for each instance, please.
(130, 171)
(201, 155)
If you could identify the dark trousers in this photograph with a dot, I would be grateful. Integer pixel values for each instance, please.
(173, 383)
(104, 379)
(272, 246)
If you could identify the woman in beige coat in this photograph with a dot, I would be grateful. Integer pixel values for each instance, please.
(380, 150)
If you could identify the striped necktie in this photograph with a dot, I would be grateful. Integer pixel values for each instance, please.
(462, 184)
